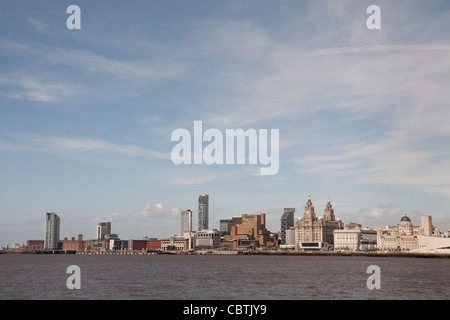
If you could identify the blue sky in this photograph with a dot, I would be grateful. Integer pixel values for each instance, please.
(86, 115)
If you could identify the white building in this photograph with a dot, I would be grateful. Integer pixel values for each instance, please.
(430, 244)
(290, 239)
(355, 239)
(406, 237)
(207, 239)
(174, 242)
(190, 237)
(347, 239)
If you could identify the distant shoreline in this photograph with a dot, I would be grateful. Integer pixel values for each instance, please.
(246, 253)
(354, 254)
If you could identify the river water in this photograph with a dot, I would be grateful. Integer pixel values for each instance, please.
(216, 277)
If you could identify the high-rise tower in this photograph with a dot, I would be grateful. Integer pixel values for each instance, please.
(203, 213)
(52, 224)
(103, 228)
(427, 225)
(186, 221)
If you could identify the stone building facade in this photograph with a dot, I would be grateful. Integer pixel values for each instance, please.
(316, 233)
(402, 237)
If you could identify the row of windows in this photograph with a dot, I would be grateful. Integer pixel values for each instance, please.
(207, 235)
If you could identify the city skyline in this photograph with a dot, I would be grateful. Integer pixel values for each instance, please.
(53, 224)
(86, 115)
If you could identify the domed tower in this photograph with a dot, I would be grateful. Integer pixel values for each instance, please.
(405, 226)
(309, 210)
(329, 212)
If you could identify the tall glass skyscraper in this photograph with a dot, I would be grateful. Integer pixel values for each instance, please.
(186, 221)
(52, 224)
(203, 213)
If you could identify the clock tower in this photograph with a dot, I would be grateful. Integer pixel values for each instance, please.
(309, 210)
(329, 212)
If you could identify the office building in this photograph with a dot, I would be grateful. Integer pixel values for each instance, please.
(174, 243)
(402, 237)
(290, 237)
(207, 239)
(287, 221)
(355, 238)
(313, 233)
(225, 226)
(186, 221)
(250, 227)
(203, 213)
(52, 225)
(427, 225)
(347, 239)
(405, 236)
(103, 229)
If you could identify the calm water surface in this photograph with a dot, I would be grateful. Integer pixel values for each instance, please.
(187, 277)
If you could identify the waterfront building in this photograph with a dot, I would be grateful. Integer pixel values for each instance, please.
(428, 228)
(186, 221)
(203, 212)
(132, 244)
(355, 238)
(207, 239)
(74, 244)
(191, 238)
(52, 226)
(35, 245)
(313, 233)
(287, 221)
(347, 239)
(176, 243)
(225, 226)
(240, 244)
(98, 245)
(290, 237)
(433, 244)
(120, 245)
(103, 229)
(405, 236)
(402, 237)
(368, 239)
(153, 245)
(251, 227)
(427, 225)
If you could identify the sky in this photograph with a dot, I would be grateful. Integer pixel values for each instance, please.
(86, 115)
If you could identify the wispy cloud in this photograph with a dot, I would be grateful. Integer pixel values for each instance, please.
(38, 143)
(38, 24)
(45, 81)
(40, 88)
